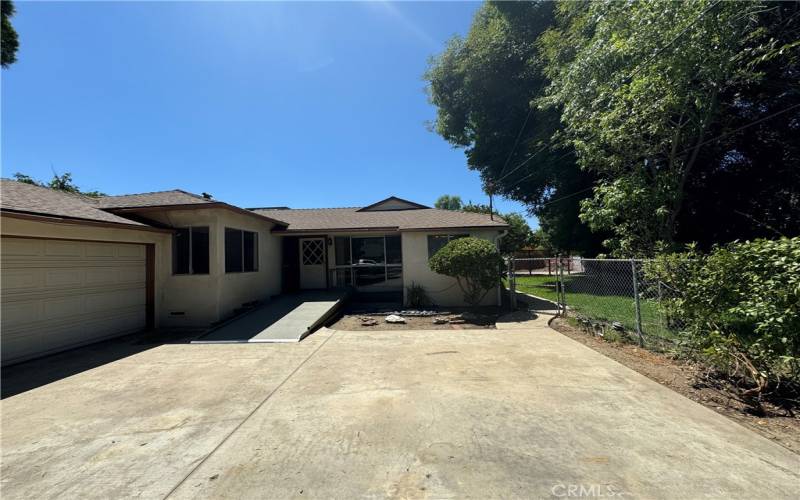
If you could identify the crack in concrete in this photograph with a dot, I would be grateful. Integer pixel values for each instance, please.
(249, 415)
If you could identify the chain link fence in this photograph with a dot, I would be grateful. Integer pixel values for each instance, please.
(604, 296)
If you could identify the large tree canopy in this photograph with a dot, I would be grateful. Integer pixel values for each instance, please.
(645, 88)
(656, 123)
(484, 86)
(9, 42)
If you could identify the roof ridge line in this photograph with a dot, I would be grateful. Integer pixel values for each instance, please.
(274, 209)
(151, 192)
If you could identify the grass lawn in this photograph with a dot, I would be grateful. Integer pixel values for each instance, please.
(599, 307)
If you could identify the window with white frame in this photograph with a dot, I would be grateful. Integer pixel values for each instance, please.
(190, 250)
(241, 251)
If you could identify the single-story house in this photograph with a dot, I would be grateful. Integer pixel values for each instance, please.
(77, 269)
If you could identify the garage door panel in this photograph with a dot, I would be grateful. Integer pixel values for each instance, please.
(22, 279)
(58, 248)
(131, 275)
(103, 276)
(55, 336)
(63, 277)
(131, 251)
(62, 308)
(58, 294)
(103, 250)
(13, 247)
(97, 303)
(21, 344)
(19, 313)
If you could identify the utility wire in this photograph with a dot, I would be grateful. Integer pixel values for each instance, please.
(516, 141)
(755, 122)
(680, 34)
(709, 141)
(639, 66)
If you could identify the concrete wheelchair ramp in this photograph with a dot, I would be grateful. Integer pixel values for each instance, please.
(286, 318)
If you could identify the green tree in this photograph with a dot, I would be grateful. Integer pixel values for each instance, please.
(483, 86)
(61, 182)
(448, 202)
(475, 264)
(642, 87)
(10, 41)
(26, 179)
(518, 235)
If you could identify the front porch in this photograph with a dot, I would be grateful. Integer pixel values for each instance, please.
(369, 263)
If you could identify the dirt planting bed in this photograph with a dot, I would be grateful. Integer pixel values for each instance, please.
(360, 317)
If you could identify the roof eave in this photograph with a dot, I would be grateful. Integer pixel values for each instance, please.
(335, 230)
(386, 228)
(450, 228)
(194, 206)
(59, 219)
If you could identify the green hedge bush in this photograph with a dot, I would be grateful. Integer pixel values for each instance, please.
(474, 263)
(740, 305)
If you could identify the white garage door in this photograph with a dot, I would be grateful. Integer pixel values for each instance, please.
(58, 294)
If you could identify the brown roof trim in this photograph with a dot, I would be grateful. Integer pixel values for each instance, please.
(81, 222)
(388, 228)
(335, 230)
(450, 228)
(395, 198)
(195, 206)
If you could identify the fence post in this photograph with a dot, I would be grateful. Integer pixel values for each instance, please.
(512, 284)
(636, 304)
(562, 291)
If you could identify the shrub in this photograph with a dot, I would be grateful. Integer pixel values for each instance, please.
(474, 263)
(741, 307)
(417, 297)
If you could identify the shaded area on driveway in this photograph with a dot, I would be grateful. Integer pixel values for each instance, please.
(35, 373)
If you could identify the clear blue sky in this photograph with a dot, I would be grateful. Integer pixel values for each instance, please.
(296, 104)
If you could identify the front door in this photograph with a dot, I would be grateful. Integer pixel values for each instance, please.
(312, 263)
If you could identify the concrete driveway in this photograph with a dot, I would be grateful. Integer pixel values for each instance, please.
(517, 412)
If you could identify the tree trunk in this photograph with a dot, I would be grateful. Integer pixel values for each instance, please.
(677, 204)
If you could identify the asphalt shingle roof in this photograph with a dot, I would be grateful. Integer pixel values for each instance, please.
(319, 219)
(156, 199)
(27, 198)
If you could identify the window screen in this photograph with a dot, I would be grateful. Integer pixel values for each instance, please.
(241, 251)
(190, 250)
(437, 241)
(250, 240)
(181, 251)
(233, 250)
(200, 250)
(394, 254)
(341, 246)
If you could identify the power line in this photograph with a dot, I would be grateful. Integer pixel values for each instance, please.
(516, 141)
(680, 34)
(755, 122)
(567, 196)
(709, 141)
(529, 158)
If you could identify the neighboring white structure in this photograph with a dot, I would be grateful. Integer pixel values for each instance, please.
(77, 270)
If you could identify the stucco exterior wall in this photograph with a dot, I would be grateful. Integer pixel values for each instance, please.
(201, 299)
(443, 290)
(11, 226)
